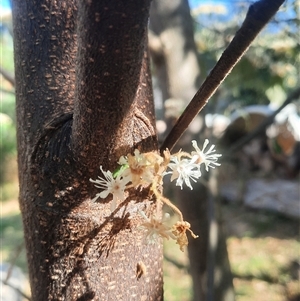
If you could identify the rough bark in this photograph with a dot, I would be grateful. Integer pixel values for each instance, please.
(175, 57)
(84, 98)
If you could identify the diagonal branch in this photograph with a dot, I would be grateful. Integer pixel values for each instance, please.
(268, 121)
(7, 91)
(17, 290)
(13, 261)
(7, 76)
(257, 17)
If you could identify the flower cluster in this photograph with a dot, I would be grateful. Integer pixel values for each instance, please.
(148, 170)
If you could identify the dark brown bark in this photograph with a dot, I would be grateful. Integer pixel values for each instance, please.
(84, 98)
(107, 84)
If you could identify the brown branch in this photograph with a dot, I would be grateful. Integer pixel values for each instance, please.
(7, 76)
(44, 62)
(257, 17)
(108, 74)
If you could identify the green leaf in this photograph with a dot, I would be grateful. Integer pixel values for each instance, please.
(119, 170)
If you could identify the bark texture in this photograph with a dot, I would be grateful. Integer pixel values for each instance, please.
(175, 56)
(84, 98)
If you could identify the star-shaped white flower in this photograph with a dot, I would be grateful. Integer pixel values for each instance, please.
(183, 170)
(109, 184)
(156, 228)
(206, 157)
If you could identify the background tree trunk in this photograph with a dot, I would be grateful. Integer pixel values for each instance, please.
(84, 98)
(176, 64)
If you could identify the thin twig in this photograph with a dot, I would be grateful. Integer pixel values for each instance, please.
(13, 261)
(262, 126)
(257, 17)
(17, 289)
(177, 264)
(7, 76)
(10, 270)
(7, 91)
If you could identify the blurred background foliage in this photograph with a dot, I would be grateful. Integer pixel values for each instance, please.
(266, 75)
(7, 107)
(270, 68)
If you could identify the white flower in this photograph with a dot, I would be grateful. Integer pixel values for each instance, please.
(183, 170)
(155, 228)
(123, 160)
(141, 167)
(206, 157)
(110, 185)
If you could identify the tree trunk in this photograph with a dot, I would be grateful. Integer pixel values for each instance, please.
(84, 98)
(175, 57)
